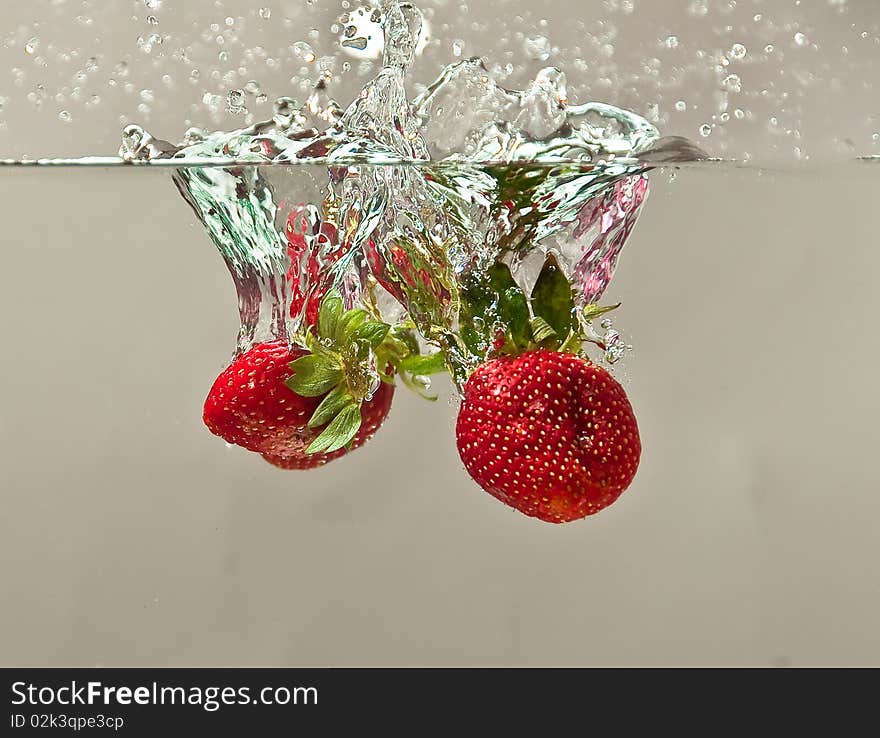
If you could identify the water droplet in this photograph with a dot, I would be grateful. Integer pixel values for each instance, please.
(31, 46)
(304, 51)
(705, 130)
(152, 20)
(732, 83)
(537, 48)
(681, 106)
(671, 42)
(738, 51)
(65, 116)
(800, 39)
(235, 101)
(265, 13)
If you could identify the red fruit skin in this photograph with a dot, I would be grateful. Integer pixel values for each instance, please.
(291, 453)
(250, 406)
(548, 433)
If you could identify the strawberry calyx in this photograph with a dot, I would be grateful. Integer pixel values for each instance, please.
(497, 319)
(349, 352)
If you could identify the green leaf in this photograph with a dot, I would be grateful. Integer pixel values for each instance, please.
(314, 375)
(542, 330)
(424, 365)
(331, 406)
(350, 321)
(487, 299)
(552, 299)
(421, 388)
(512, 307)
(329, 315)
(591, 312)
(372, 332)
(341, 430)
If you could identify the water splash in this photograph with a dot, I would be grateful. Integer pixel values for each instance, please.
(412, 198)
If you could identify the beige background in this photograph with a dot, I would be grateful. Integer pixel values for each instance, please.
(131, 536)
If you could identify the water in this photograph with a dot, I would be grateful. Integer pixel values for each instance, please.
(748, 533)
(748, 297)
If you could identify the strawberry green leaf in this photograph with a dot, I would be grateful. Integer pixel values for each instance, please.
(314, 375)
(329, 315)
(591, 312)
(372, 332)
(331, 406)
(542, 331)
(424, 365)
(552, 298)
(491, 300)
(341, 430)
(350, 321)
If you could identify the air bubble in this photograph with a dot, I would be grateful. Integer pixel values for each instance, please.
(732, 83)
(235, 101)
(537, 48)
(304, 51)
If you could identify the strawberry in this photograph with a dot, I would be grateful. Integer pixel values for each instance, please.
(302, 408)
(548, 433)
(293, 455)
(249, 404)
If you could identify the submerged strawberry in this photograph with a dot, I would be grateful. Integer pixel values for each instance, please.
(250, 406)
(292, 454)
(549, 433)
(302, 408)
(540, 427)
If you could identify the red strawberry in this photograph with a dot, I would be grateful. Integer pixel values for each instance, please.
(249, 405)
(292, 455)
(549, 433)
